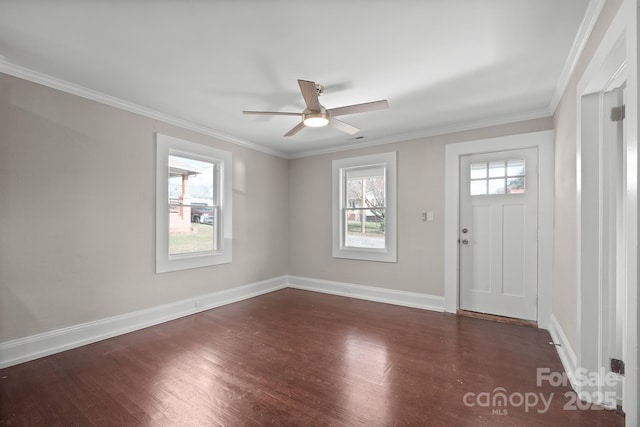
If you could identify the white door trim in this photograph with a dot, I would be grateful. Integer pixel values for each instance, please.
(544, 142)
(597, 78)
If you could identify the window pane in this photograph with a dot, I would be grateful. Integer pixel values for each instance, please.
(496, 186)
(479, 187)
(365, 187)
(191, 205)
(478, 170)
(202, 214)
(365, 228)
(515, 167)
(354, 193)
(516, 185)
(191, 179)
(374, 191)
(187, 238)
(496, 169)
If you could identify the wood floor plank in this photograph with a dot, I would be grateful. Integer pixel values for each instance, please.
(296, 358)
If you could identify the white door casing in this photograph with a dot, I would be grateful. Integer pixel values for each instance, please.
(543, 140)
(613, 240)
(604, 224)
(498, 233)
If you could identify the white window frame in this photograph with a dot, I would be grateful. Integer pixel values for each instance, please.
(168, 145)
(339, 166)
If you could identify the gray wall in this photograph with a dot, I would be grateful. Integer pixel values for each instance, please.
(420, 266)
(77, 209)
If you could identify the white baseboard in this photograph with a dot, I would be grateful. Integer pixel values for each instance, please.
(586, 392)
(369, 293)
(564, 349)
(36, 346)
(40, 345)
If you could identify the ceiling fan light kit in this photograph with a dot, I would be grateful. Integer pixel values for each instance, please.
(315, 120)
(315, 115)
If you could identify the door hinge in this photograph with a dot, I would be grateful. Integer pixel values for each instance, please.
(617, 366)
(618, 113)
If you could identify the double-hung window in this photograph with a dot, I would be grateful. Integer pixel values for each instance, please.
(364, 207)
(193, 205)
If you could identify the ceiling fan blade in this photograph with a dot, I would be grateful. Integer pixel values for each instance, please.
(310, 95)
(272, 113)
(344, 127)
(296, 129)
(359, 108)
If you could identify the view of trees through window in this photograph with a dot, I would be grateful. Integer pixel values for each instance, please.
(364, 207)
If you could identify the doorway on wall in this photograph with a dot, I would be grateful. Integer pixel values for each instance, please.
(498, 233)
(603, 237)
(541, 143)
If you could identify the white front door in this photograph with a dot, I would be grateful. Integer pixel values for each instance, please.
(498, 233)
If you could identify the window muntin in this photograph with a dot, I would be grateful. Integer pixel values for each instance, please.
(364, 207)
(497, 177)
(193, 205)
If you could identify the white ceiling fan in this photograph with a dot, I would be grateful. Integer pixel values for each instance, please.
(315, 115)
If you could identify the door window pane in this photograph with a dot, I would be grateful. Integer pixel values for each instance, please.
(496, 169)
(515, 168)
(479, 188)
(515, 185)
(478, 170)
(496, 186)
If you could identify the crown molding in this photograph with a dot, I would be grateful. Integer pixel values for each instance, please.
(584, 32)
(81, 91)
(436, 131)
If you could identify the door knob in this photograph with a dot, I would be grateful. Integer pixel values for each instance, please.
(465, 242)
(464, 230)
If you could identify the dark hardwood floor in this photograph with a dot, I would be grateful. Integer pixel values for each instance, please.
(297, 358)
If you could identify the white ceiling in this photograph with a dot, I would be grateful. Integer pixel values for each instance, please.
(442, 64)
